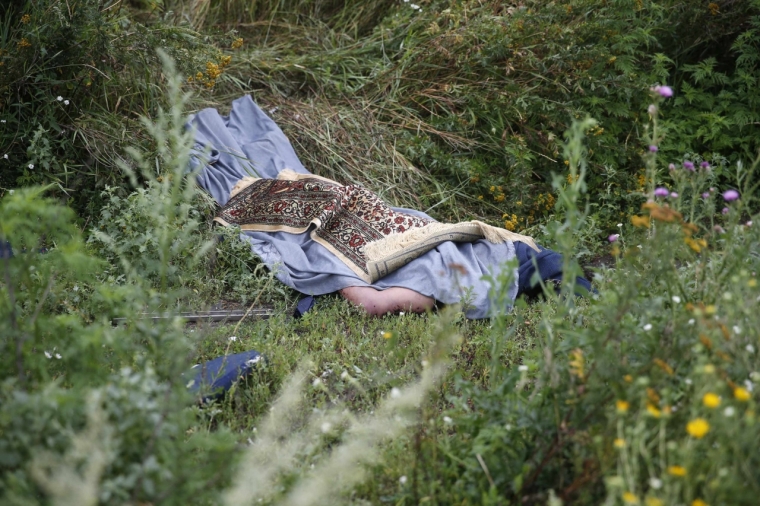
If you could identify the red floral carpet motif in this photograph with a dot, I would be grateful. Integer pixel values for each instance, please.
(346, 217)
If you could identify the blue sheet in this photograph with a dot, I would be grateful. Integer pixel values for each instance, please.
(248, 142)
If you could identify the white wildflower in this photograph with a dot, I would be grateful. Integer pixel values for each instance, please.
(737, 329)
(58, 356)
(676, 299)
(395, 393)
(620, 225)
(447, 419)
(5, 156)
(648, 327)
(687, 381)
(523, 368)
(691, 321)
(750, 348)
(31, 166)
(729, 411)
(344, 375)
(48, 354)
(316, 382)
(66, 102)
(60, 98)
(403, 479)
(749, 385)
(655, 483)
(326, 426)
(232, 339)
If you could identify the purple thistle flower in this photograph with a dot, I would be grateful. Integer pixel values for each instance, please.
(706, 195)
(725, 210)
(661, 192)
(653, 149)
(705, 165)
(672, 166)
(688, 165)
(664, 91)
(673, 195)
(730, 195)
(613, 237)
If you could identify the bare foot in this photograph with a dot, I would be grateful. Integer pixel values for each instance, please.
(391, 300)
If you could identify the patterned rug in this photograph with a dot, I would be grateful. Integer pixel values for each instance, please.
(346, 220)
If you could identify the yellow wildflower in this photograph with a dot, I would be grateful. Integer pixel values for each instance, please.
(237, 43)
(26, 18)
(664, 366)
(640, 221)
(699, 502)
(709, 369)
(387, 335)
(23, 43)
(752, 283)
(622, 406)
(630, 498)
(677, 471)
(698, 428)
(742, 394)
(628, 378)
(577, 363)
(619, 443)
(212, 70)
(710, 310)
(696, 244)
(653, 501)
(713, 8)
(711, 400)
(653, 410)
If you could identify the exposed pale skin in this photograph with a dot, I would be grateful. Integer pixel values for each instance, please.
(392, 300)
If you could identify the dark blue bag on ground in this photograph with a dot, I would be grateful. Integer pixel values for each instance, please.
(210, 380)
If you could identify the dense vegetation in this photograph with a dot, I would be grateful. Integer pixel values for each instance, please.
(624, 130)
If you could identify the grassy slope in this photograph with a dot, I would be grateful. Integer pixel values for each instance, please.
(321, 81)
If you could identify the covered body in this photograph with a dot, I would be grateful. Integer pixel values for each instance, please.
(249, 143)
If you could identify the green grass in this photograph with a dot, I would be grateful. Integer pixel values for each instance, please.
(334, 338)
